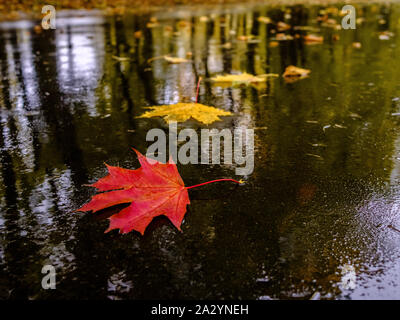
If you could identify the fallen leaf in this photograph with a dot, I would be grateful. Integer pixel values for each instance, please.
(244, 78)
(120, 58)
(293, 73)
(283, 37)
(181, 112)
(152, 190)
(246, 38)
(385, 35)
(266, 20)
(326, 127)
(314, 156)
(356, 45)
(169, 59)
(282, 26)
(318, 145)
(175, 60)
(313, 39)
(339, 126)
(355, 115)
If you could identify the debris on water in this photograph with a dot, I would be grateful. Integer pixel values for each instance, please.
(266, 20)
(385, 35)
(246, 38)
(315, 156)
(355, 115)
(175, 60)
(169, 59)
(293, 73)
(326, 127)
(339, 126)
(312, 121)
(283, 37)
(318, 144)
(282, 26)
(120, 58)
(313, 39)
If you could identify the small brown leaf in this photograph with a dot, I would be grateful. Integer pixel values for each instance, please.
(293, 73)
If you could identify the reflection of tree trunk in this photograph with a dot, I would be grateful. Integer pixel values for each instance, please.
(63, 131)
(56, 113)
(20, 252)
(120, 40)
(147, 77)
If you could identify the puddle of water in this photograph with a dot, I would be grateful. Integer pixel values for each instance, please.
(320, 212)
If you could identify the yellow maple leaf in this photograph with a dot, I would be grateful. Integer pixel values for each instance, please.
(182, 111)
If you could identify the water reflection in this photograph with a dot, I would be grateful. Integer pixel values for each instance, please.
(323, 197)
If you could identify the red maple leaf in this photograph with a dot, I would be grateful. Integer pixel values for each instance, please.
(154, 189)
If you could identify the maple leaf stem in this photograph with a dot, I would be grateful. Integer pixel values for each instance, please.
(212, 181)
(197, 90)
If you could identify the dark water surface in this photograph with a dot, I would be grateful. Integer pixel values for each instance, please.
(321, 207)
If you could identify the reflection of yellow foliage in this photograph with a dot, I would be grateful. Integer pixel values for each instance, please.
(181, 112)
(245, 78)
